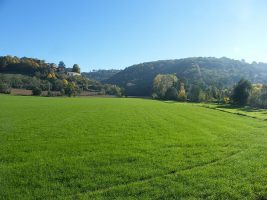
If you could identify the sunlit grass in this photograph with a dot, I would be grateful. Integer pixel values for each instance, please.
(94, 148)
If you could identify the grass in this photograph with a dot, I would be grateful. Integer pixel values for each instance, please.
(245, 111)
(109, 148)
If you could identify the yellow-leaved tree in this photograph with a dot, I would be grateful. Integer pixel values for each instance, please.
(161, 83)
(182, 94)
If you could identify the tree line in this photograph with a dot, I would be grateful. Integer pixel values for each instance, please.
(169, 87)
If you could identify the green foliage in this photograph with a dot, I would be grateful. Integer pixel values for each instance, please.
(71, 89)
(22, 81)
(28, 73)
(195, 93)
(57, 84)
(4, 88)
(241, 92)
(258, 96)
(163, 82)
(76, 68)
(220, 72)
(113, 90)
(101, 75)
(36, 91)
(24, 65)
(110, 148)
(182, 93)
(61, 64)
(171, 94)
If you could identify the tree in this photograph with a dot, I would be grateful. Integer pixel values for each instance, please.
(4, 88)
(258, 96)
(263, 96)
(36, 91)
(171, 93)
(182, 93)
(76, 68)
(113, 90)
(57, 84)
(241, 93)
(70, 89)
(194, 93)
(61, 64)
(51, 76)
(162, 82)
(255, 94)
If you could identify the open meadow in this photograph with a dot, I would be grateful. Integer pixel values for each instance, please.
(123, 148)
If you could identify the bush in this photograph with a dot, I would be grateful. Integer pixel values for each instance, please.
(49, 93)
(62, 92)
(36, 91)
(71, 89)
(113, 90)
(154, 96)
(4, 88)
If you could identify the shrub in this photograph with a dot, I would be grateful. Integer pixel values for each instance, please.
(4, 88)
(36, 91)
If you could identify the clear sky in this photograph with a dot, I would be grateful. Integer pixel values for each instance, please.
(118, 33)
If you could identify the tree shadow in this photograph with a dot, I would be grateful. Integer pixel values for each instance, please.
(245, 108)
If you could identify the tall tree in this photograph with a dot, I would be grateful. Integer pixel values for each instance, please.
(182, 93)
(76, 68)
(241, 92)
(171, 93)
(194, 93)
(61, 64)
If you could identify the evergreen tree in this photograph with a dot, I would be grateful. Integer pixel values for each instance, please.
(241, 93)
(76, 68)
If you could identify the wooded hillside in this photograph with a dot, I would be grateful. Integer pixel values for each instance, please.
(221, 72)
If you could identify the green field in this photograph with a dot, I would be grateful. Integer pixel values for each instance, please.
(246, 111)
(110, 148)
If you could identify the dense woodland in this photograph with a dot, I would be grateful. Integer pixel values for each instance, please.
(137, 80)
(38, 76)
(101, 74)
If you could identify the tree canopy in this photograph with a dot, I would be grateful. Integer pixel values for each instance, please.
(163, 82)
(76, 68)
(241, 92)
(61, 64)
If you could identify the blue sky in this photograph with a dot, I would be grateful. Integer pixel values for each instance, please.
(118, 33)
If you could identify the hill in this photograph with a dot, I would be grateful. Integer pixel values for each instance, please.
(38, 75)
(101, 75)
(222, 72)
(111, 148)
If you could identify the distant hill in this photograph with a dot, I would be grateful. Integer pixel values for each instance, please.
(222, 72)
(33, 73)
(101, 75)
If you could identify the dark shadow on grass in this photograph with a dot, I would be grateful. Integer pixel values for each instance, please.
(165, 101)
(245, 108)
